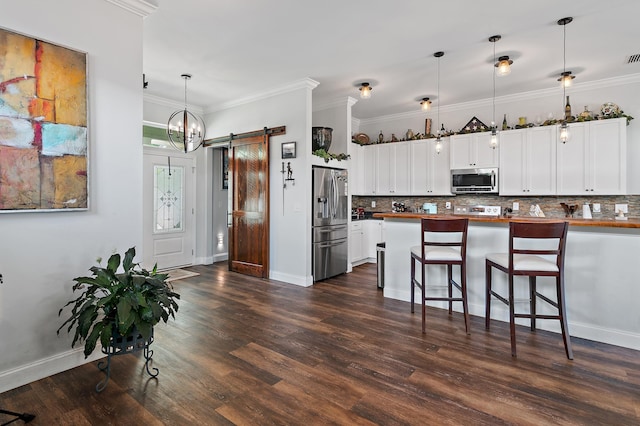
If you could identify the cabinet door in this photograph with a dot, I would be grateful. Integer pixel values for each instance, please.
(482, 153)
(540, 158)
(372, 230)
(400, 168)
(572, 162)
(356, 252)
(607, 157)
(383, 169)
(392, 169)
(369, 170)
(513, 145)
(460, 152)
(420, 168)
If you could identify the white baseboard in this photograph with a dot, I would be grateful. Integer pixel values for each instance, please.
(500, 312)
(291, 279)
(46, 367)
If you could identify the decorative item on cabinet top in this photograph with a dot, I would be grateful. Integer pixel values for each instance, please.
(474, 125)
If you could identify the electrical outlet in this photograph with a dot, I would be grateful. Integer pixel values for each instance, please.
(622, 207)
(447, 205)
(596, 207)
(373, 204)
(516, 206)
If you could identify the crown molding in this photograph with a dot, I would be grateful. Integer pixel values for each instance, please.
(305, 83)
(347, 102)
(157, 100)
(524, 96)
(139, 7)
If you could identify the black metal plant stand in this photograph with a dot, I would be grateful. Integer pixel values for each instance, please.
(121, 345)
(25, 417)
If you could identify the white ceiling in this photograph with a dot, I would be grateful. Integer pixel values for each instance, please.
(237, 49)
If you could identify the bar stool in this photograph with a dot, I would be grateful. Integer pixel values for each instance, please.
(443, 242)
(532, 262)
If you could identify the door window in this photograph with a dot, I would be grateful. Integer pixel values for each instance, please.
(168, 200)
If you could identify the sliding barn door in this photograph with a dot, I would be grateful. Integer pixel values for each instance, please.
(249, 232)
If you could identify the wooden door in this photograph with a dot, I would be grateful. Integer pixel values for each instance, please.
(249, 186)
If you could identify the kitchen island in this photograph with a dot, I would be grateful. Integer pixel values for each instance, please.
(601, 282)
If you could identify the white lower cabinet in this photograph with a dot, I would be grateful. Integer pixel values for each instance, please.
(528, 161)
(373, 234)
(356, 238)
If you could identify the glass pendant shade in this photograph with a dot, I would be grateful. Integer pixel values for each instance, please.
(365, 91)
(564, 132)
(493, 143)
(566, 79)
(503, 66)
(438, 144)
(425, 104)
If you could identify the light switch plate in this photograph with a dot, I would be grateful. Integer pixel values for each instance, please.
(516, 206)
(373, 204)
(596, 207)
(623, 207)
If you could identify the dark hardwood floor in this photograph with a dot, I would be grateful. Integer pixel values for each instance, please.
(244, 350)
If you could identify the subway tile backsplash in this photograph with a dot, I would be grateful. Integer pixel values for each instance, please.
(550, 205)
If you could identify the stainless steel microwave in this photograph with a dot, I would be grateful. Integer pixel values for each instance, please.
(468, 181)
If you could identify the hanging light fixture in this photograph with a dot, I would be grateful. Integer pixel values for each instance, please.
(365, 90)
(185, 129)
(493, 143)
(503, 65)
(439, 139)
(565, 77)
(425, 104)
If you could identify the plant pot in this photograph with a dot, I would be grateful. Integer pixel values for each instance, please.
(321, 138)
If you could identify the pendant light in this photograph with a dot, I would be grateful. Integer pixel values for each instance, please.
(438, 139)
(565, 77)
(185, 129)
(365, 90)
(493, 143)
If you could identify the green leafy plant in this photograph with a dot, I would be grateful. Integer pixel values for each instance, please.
(114, 302)
(322, 153)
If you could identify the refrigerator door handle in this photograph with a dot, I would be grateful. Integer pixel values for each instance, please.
(332, 244)
(334, 190)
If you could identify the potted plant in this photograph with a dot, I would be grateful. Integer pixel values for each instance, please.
(114, 304)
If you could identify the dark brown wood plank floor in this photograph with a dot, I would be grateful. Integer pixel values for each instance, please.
(248, 351)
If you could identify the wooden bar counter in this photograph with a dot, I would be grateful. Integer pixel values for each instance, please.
(601, 279)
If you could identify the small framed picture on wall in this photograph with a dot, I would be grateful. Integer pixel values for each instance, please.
(289, 150)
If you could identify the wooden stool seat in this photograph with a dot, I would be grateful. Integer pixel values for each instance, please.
(443, 242)
(532, 261)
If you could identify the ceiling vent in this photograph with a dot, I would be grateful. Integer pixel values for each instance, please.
(634, 59)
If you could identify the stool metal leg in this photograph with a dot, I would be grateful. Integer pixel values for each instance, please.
(532, 301)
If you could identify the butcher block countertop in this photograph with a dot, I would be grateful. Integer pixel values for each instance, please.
(597, 222)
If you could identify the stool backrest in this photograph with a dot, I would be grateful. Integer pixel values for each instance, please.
(455, 228)
(539, 230)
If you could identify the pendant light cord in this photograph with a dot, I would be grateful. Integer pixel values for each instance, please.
(494, 88)
(564, 66)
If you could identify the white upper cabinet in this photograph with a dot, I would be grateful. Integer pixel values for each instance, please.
(356, 169)
(430, 170)
(594, 159)
(528, 161)
(369, 155)
(392, 171)
(473, 150)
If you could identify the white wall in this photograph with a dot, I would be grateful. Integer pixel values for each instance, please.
(40, 253)
(290, 217)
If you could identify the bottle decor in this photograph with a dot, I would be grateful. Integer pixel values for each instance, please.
(380, 137)
(504, 123)
(567, 110)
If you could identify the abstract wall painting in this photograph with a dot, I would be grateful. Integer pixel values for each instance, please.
(43, 126)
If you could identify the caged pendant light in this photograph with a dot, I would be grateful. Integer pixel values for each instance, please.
(493, 143)
(565, 78)
(185, 129)
(438, 139)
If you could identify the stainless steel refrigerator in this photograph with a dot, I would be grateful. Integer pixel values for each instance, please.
(329, 225)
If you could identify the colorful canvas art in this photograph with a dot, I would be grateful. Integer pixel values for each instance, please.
(43, 125)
